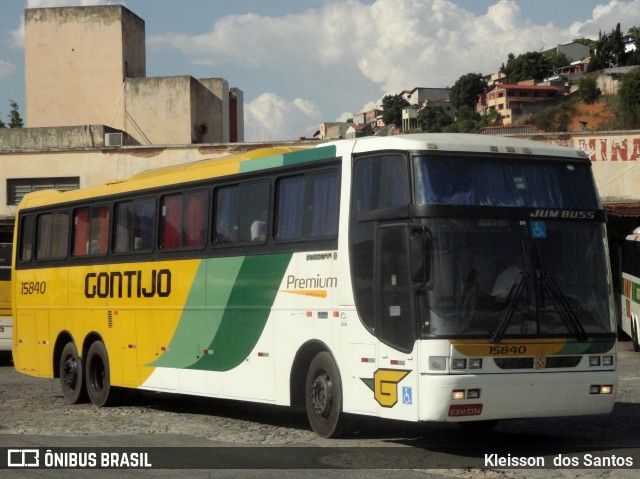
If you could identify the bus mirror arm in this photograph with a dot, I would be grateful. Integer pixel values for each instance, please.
(420, 260)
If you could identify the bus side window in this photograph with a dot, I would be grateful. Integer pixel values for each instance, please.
(183, 220)
(134, 225)
(307, 206)
(26, 237)
(52, 235)
(241, 213)
(90, 231)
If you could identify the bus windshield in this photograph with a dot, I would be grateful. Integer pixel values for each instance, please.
(503, 182)
(495, 279)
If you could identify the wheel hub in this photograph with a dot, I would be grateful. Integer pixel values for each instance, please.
(321, 395)
(70, 373)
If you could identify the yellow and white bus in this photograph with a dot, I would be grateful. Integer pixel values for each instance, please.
(6, 322)
(630, 304)
(421, 277)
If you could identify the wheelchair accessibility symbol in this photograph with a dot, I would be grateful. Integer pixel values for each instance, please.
(538, 229)
(407, 395)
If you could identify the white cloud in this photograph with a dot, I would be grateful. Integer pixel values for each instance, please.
(271, 117)
(6, 69)
(604, 18)
(342, 50)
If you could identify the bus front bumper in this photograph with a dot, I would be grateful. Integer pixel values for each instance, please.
(507, 396)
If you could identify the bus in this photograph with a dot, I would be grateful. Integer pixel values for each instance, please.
(6, 323)
(630, 298)
(423, 277)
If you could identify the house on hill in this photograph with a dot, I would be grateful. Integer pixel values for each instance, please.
(515, 101)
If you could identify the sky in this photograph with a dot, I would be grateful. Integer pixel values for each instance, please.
(304, 62)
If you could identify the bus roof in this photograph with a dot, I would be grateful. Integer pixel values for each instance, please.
(281, 156)
(465, 142)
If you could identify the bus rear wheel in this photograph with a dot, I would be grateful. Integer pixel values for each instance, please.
(323, 397)
(72, 375)
(98, 377)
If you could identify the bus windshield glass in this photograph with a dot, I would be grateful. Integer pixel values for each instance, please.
(503, 182)
(495, 279)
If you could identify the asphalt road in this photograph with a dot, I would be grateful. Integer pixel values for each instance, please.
(231, 439)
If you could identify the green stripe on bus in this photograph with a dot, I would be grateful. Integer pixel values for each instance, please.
(202, 313)
(288, 159)
(326, 152)
(592, 346)
(247, 311)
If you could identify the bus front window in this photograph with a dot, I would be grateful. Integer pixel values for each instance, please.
(492, 279)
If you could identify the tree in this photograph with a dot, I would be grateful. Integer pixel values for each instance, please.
(14, 116)
(557, 59)
(491, 118)
(466, 90)
(634, 32)
(608, 51)
(392, 106)
(629, 98)
(433, 119)
(528, 66)
(2, 125)
(588, 90)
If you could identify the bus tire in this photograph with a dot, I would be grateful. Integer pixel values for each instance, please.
(634, 334)
(323, 397)
(98, 377)
(72, 375)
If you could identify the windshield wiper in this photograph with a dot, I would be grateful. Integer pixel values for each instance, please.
(512, 300)
(561, 304)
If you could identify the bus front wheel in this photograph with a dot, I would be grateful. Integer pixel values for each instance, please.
(72, 375)
(98, 377)
(323, 396)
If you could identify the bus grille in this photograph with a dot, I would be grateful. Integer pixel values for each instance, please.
(528, 363)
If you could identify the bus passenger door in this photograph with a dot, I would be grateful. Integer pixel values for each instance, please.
(396, 378)
(395, 323)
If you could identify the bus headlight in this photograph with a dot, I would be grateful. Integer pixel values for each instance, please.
(475, 363)
(607, 360)
(437, 363)
(458, 394)
(601, 389)
(594, 360)
(458, 363)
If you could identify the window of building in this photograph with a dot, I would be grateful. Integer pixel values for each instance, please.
(90, 231)
(52, 235)
(307, 206)
(242, 213)
(184, 220)
(18, 187)
(523, 93)
(134, 225)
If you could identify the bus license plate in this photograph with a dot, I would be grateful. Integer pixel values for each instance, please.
(458, 410)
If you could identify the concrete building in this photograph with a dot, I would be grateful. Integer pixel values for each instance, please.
(334, 131)
(419, 95)
(88, 98)
(76, 62)
(87, 66)
(514, 101)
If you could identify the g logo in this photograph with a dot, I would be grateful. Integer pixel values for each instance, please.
(385, 383)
